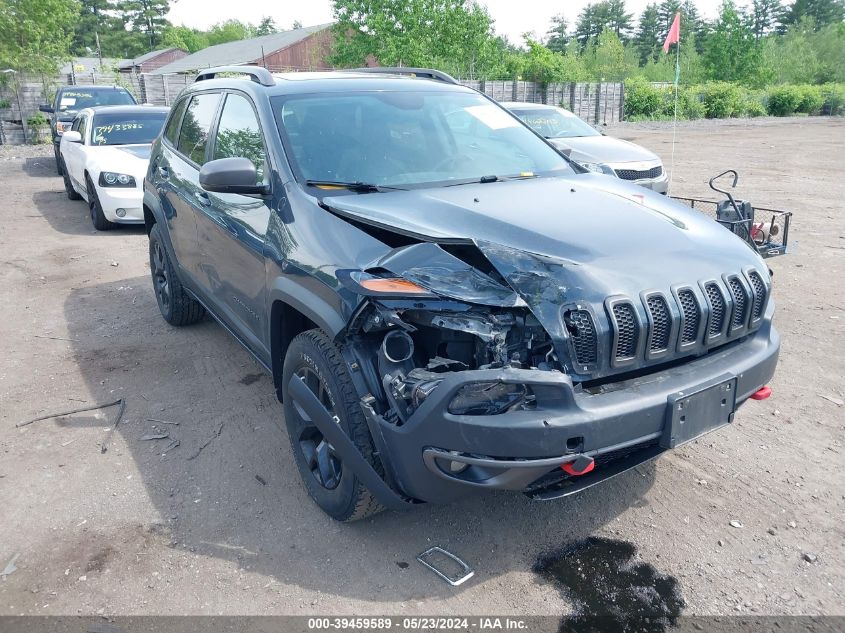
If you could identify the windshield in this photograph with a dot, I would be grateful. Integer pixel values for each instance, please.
(555, 123)
(408, 138)
(82, 98)
(127, 129)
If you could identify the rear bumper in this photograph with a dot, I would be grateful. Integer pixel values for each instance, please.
(619, 425)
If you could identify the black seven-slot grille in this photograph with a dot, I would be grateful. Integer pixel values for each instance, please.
(627, 331)
(670, 322)
(583, 335)
(639, 174)
(661, 324)
(692, 316)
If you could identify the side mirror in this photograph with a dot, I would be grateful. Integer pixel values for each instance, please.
(45, 107)
(72, 136)
(232, 175)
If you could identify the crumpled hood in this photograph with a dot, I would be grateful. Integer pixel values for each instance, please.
(556, 242)
(584, 219)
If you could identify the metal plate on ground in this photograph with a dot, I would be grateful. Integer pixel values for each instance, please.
(692, 414)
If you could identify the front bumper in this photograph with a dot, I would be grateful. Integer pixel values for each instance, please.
(130, 200)
(520, 450)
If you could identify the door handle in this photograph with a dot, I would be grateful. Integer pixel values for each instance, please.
(202, 198)
(163, 172)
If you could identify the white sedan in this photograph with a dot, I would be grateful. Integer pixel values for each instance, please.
(104, 160)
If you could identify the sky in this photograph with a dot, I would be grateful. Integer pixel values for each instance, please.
(513, 17)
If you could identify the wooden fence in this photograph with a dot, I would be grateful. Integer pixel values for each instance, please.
(596, 103)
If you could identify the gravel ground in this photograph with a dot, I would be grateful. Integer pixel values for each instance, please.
(144, 530)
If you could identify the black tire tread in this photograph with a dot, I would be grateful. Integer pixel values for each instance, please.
(366, 504)
(184, 309)
(72, 194)
(98, 220)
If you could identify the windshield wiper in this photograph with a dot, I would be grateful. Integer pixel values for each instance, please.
(358, 187)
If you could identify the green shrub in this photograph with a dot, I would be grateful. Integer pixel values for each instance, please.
(690, 105)
(784, 100)
(37, 120)
(753, 103)
(642, 100)
(834, 99)
(4, 104)
(812, 99)
(721, 100)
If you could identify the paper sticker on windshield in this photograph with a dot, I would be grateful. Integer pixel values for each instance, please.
(493, 117)
(66, 102)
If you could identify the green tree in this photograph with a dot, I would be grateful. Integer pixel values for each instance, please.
(647, 40)
(229, 31)
(766, 17)
(456, 35)
(97, 21)
(605, 57)
(822, 12)
(557, 37)
(267, 26)
(731, 53)
(545, 66)
(597, 17)
(186, 38)
(35, 35)
(147, 20)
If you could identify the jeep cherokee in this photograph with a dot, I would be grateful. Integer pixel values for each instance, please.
(445, 302)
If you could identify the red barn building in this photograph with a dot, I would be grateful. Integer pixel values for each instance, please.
(300, 49)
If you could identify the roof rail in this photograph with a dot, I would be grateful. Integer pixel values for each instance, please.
(425, 73)
(256, 73)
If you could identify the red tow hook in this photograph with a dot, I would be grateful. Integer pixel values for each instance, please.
(580, 466)
(762, 393)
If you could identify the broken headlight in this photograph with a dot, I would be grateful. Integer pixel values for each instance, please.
(487, 398)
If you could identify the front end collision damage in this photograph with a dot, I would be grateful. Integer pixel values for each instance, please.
(470, 384)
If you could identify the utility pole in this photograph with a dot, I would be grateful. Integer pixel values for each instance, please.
(99, 50)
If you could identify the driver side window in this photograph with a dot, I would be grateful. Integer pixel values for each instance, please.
(83, 126)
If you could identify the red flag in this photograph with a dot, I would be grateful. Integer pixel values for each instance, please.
(674, 33)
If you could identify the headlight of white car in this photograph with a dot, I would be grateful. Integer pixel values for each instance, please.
(599, 168)
(114, 179)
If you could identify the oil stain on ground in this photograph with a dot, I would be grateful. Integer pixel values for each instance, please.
(609, 589)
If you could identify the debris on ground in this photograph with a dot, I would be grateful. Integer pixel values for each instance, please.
(202, 446)
(105, 445)
(10, 567)
(171, 446)
(773, 531)
(155, 436)
(837, 401)
(261, 480)
(62, 414)
(446, 565)
(809, 557)
(736, 524)
(162, 421)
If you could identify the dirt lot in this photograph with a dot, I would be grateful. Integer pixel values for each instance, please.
(229, 530)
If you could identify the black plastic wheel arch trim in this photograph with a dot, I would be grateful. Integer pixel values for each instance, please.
(343, 446)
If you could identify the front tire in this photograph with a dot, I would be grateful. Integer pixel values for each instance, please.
(98, 219)
(59, 166)
(176, 305)
(336, 490)
(69, 190)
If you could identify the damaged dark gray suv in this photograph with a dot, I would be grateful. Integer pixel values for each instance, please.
(446, 304)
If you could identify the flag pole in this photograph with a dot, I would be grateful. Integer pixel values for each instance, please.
(675, 118)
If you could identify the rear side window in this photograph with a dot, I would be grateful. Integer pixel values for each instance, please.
(239, 135)
(193, 137)
(172, 131)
